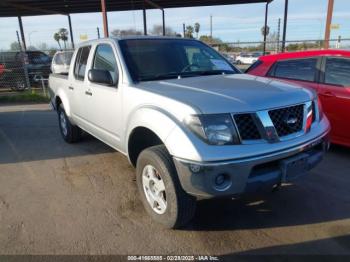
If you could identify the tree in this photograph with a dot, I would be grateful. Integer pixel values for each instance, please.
(197, 27)
(125, 32)
(57, 38)
(267, 30)
(31, 48)
(210, 40)
(64, 36)
(271, 42)
(189, 31)
(15, 46)
(158, 30)
(43, 46)
(215, 42)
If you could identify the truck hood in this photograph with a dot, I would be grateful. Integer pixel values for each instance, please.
(229, 93)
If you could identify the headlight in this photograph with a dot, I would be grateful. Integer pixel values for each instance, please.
(318, 111)
(214, 129)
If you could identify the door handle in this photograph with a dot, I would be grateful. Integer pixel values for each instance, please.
(88, 93)
(328, 94)
(71, 88)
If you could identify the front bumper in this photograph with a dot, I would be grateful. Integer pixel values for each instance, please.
(228, 178)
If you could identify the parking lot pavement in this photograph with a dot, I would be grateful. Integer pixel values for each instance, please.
(57, 198)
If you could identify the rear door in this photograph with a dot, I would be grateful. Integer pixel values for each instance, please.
(334, 92)
(76, 89)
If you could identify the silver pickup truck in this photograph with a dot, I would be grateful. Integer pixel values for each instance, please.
(191, 123)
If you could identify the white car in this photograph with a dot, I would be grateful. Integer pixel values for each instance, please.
(247, 58)
(61, 61)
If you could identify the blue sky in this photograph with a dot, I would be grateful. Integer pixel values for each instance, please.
(230, 23)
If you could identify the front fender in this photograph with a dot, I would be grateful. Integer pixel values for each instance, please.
(170, 131)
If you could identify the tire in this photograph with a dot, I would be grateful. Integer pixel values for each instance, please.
(180, 207)
(19, 86)
(69, 132)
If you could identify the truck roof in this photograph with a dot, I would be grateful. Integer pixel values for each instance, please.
(133, 37)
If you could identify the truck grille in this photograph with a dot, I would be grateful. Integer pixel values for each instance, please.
(247, 127)
(281, 116)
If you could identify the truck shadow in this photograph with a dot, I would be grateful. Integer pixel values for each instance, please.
(34, 136)
(339, 246)
(322, 196)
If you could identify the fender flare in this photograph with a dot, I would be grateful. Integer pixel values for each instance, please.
(169, 130)
(65, 101)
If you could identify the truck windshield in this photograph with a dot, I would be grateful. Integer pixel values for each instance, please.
(156, 59)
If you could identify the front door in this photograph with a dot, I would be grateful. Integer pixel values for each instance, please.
(104, 105)
(334, 92)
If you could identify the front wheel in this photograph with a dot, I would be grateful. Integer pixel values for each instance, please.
(69, 132)
(160, 189)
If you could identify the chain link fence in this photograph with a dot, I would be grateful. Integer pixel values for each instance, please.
(250, 51)
(30, 70)
(24, 70)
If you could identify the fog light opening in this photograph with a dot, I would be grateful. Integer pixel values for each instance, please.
(222, 182)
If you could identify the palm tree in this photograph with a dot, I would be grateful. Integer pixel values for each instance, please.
(189, 31)
(197, 26)
(57, 38)
(64, 36)
(267, 30)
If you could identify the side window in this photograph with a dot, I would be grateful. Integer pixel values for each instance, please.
(337, 71)
(105, 60)
(81, 61)
(299, 69)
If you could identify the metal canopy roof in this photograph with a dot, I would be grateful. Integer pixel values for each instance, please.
(10, 8)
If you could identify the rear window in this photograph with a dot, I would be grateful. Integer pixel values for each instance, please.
(337, 71)
(298, 69)
(63, 58)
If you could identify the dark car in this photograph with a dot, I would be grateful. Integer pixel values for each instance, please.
(13, 66)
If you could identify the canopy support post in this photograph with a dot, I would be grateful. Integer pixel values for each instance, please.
(104, 18)
(70, 31)
(285, 25)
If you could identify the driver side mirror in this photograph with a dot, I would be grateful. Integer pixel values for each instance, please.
(100, 76)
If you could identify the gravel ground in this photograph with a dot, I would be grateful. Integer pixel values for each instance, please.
(57, 198)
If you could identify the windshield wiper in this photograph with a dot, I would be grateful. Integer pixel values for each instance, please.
(159, 76)
(179, 75)
(215, 72)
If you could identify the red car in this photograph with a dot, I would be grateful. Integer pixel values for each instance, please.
(325, 71)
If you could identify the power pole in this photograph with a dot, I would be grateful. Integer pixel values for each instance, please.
(184, 29)
(278, 34)
(328, 23)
